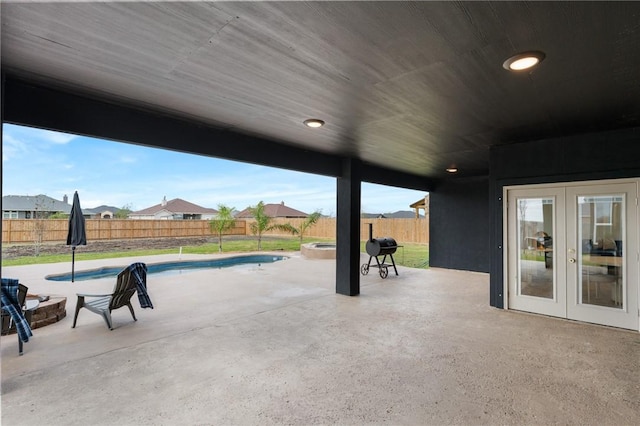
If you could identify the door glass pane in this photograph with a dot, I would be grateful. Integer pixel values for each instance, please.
(600, 256)
(535, 229)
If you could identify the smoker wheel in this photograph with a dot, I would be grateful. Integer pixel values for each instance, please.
(384, 272)
(364, 269)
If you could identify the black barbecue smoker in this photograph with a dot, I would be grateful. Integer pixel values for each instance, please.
(380, 247)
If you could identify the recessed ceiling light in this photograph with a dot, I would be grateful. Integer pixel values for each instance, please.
(523, 61)
(452, 169)
(314, 122)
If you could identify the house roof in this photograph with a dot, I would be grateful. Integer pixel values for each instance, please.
(274, 210)
(101, 209)
(372, 216)
(421, 203)
(176, 206)
(400, 214)
(34, 202)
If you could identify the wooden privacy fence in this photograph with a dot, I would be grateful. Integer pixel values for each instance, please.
(55, 230)
(402, 230)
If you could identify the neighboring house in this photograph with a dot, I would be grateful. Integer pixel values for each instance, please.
(33, 206)
(101, 212)
(176, 209)
(400, 214)
(274, 210)
(372, 216)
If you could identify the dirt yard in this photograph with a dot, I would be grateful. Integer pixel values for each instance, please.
(11, 251)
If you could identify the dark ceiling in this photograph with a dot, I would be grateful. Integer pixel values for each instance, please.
(411, 86)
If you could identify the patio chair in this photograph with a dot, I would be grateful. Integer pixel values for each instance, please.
(13, 317)
(128, 281)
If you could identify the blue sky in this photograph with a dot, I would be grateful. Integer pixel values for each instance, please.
(36, 161)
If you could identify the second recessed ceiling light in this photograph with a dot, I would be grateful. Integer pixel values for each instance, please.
(523, 61)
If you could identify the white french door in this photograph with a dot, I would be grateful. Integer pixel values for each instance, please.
(572, 251)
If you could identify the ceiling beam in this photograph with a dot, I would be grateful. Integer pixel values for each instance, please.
(33, 104)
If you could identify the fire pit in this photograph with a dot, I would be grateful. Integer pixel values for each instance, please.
(375, 247)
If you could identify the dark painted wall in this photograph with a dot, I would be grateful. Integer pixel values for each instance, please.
(458, 225)
(594, 156)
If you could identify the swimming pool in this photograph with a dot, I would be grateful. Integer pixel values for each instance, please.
(169, 267)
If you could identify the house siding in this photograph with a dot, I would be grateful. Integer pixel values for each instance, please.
(459, 237)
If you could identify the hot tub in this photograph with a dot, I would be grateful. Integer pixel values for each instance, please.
(318, 250)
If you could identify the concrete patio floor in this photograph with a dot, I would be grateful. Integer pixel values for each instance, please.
(274, 344)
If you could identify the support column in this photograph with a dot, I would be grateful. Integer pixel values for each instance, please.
(348, 228)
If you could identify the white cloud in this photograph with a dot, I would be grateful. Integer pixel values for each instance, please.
(53, 137)
(30, 143)
(98, 171)
(12, 147)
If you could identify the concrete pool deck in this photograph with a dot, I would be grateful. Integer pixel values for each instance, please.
(274, 344)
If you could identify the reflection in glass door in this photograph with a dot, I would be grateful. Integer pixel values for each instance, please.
(535, 227)
(601, 229)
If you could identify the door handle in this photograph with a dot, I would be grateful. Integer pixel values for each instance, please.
(572, 260)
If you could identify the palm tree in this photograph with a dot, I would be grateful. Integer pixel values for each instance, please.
(306, 224)
(222, 223)
(263, 224)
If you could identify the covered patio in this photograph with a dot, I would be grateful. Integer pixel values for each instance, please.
(412, 94)
(274, 344)
(418, 95)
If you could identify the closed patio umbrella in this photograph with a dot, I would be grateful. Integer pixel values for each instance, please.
(77, 235)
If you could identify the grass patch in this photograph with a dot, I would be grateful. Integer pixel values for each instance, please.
(57, 258)
(410, 255)
(529, 255)
(231, 246)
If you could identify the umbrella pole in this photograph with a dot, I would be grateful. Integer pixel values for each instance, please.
(73, 261)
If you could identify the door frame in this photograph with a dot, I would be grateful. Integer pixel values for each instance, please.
(632, 281)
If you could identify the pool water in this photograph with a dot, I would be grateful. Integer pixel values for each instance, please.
(166, 268)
